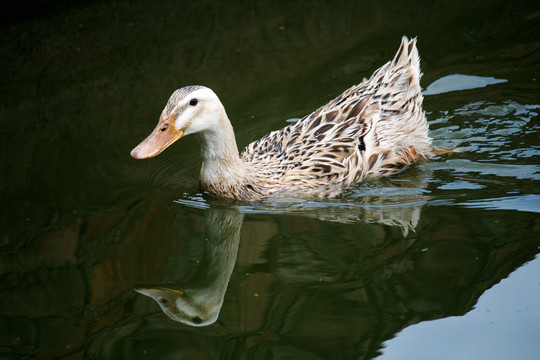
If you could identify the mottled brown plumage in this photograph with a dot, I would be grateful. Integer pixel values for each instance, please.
(374, 128)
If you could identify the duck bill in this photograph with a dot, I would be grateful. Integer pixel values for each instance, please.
(161, 138)
(156, 293)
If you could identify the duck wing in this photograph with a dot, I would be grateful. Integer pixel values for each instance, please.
(324, 148)
(376, 127)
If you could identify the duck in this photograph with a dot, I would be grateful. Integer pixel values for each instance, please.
(375, 128)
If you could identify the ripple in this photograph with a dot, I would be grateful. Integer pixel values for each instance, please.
(195, 202)
(392, 207)
(490, 129)
(528, 203)
(531, 172)
(461, 185)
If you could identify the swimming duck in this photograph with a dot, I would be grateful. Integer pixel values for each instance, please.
(375, 128)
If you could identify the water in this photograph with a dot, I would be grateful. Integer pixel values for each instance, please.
(438, 261)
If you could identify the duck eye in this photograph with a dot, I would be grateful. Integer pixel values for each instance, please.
(193, 102)
(164, 301)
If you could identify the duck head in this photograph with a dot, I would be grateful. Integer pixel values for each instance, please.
(190, 110)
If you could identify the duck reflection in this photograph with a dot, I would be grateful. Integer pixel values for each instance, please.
(402, 212)
(395, 202)
(198, 301)
(342, 289)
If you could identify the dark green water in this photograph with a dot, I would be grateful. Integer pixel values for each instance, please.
(452, 240)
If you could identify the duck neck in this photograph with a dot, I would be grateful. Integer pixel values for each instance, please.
(221, 161)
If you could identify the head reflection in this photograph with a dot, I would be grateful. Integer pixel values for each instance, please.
(198, 301)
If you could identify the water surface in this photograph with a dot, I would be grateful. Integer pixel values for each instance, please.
(438, 261)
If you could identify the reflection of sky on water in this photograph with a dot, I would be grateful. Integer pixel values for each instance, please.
(501, 313)
(458, 82)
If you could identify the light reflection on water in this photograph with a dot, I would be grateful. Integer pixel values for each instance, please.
(458, 82)
(499, 314)
(528, 202)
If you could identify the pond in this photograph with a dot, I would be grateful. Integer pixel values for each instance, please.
(438, 261)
